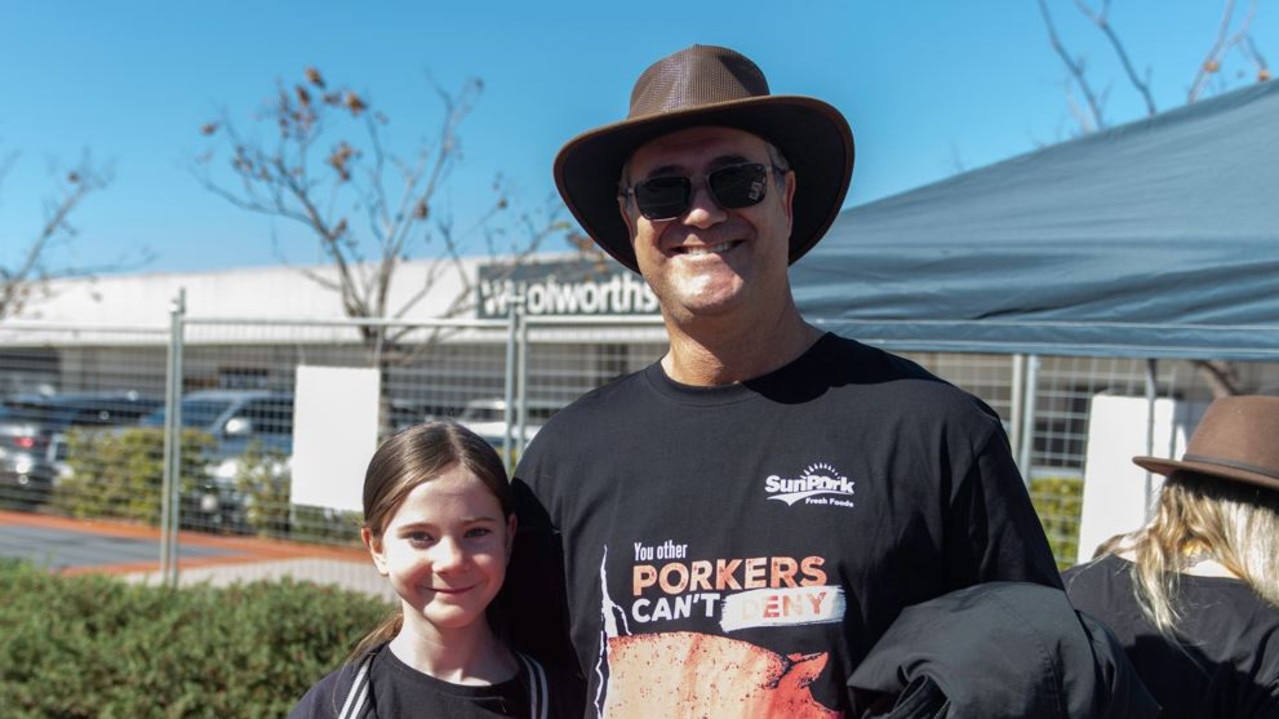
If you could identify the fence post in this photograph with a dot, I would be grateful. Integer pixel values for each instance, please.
(1026, 450)
(1152, 393)
(521, 379)
(514, 316)
(1018, 401)
(170, 492)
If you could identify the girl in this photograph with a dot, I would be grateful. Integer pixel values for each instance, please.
(1194, 594)
(439, 523)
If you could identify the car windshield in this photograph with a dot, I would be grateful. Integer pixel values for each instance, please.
(494, 411)
(483, 414)
(195, 413)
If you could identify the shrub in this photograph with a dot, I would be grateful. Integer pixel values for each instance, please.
(121, 474)
(97, 646)
(263, 477)
(323, 525)
(1059, 503)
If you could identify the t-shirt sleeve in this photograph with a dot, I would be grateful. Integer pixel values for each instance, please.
(1000, 535)
(567, 694)
(531, 610)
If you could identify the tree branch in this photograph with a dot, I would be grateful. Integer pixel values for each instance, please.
(367, 222)
(1101, 20)
(1220, 376)
(20, 282)
(1076, 70)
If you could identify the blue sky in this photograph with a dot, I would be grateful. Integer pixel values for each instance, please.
(929, 86)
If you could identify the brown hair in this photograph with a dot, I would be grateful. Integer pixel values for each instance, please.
(410, 458)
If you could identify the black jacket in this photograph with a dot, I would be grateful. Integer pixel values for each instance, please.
(1001, 649)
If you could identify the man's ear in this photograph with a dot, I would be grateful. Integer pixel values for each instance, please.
(374, 545)
(788, 198)
(623, 207)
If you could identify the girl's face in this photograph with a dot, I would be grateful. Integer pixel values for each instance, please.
(445, 551)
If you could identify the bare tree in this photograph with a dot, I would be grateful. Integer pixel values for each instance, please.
(329, 168)
(1225, 41)
(1232, 36)
(27, 275)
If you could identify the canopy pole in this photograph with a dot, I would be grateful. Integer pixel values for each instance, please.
(1018, 398)
(1025, 451)
(1152, 393)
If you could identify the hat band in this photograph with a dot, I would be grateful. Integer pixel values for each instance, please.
(1231, 464)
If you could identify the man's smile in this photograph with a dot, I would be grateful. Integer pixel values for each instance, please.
(696, 250)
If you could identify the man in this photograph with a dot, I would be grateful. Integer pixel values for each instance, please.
(727, 532)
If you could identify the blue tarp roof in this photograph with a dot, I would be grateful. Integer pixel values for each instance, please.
(1159, 238)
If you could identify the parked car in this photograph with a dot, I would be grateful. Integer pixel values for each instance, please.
(487, 417)
(26, 475)
(235, 419)
(403, 413)
(33, 429)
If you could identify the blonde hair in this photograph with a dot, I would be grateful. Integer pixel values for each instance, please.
(413, 457)
(1200, 516)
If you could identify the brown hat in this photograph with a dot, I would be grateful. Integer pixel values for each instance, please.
(1237, 439)
(706, 85)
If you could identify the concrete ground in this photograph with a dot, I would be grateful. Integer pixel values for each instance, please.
(72, 546)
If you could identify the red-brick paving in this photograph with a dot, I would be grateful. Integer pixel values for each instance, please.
(240, 550)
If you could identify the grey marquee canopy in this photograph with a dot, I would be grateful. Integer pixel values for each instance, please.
(1156, 239)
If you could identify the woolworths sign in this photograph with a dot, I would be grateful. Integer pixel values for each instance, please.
(563, 288)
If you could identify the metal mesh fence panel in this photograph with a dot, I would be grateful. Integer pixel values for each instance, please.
(235, 479)
(986, 376)
(423, 372)
(67, 390)
(1049, 428)
(566, 359)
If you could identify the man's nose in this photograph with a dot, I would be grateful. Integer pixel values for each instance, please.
(703, 211)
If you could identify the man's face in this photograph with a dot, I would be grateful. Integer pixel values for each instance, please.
(711, 260)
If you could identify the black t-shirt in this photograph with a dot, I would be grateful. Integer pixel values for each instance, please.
(737, 550)
(397, 690)
(1226, 663)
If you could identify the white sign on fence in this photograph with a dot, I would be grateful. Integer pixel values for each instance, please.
(335, 418)
(1117, 492)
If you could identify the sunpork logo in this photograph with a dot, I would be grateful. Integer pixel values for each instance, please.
(820, 484)
(563, 288)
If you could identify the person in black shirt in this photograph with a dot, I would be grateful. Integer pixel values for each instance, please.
(1194, 594)
(439, 523)
(727, 532)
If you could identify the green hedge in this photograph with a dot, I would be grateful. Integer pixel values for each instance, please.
(1059, 503)
(97, 646)
(121, 474)
(264, 477)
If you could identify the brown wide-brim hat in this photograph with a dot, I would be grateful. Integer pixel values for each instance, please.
(1237, 439)
(704, 85)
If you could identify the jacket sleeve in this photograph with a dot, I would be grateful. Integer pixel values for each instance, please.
(344, 694)
(320, 701)
(1000, 649)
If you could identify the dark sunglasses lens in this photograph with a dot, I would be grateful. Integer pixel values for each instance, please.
(662, 198)
(738, 186)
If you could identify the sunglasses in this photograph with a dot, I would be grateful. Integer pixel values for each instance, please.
(732, 187)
